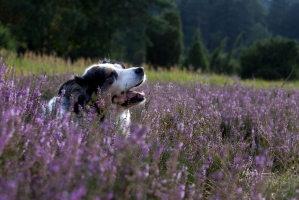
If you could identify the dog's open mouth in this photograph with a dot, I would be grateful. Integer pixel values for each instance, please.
(129, 97)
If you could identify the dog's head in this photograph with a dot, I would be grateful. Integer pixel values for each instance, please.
(111, 78)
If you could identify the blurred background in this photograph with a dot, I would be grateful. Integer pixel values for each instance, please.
(249, 38)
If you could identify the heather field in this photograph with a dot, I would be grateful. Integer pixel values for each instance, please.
(200, 138)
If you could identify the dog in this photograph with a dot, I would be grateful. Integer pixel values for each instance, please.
(108, 79)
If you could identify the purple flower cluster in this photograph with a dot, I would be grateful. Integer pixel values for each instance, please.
(189, 141)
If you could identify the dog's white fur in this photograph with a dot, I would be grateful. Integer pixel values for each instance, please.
(118, 81)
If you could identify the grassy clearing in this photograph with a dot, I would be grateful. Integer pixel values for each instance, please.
(29, 63)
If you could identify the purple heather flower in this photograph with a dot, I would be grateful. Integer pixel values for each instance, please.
(171, 153)
(239, 191)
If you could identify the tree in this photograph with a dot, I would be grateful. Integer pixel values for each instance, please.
(217, 58)
(225, 63)
(166, 45)
(195, 14)
(271, 59)
(257, 32)
(290, 27)
(196, 57)
(79, 28)
(6, 41)
(277, 11)
(231, 17)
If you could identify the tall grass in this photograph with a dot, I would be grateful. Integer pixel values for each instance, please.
(31, 63)
(188, 141)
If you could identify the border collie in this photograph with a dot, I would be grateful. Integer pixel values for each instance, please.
(112, 81)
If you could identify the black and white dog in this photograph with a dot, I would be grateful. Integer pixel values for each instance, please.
(112, 80)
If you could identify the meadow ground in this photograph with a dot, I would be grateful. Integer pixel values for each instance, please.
(197, 137)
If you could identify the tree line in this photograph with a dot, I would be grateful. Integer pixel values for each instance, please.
(218, 36)
(79, 28)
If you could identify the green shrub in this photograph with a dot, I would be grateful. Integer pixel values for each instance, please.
(6, 41)
(271, 59)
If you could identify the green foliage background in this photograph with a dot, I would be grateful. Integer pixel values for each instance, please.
(271, 59)
(78, 28)
(157, 32)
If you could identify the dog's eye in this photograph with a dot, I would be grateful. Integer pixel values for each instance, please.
(111, 78)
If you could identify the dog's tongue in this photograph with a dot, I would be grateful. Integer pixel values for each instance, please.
(140, 95)
(127, 96)
(131, 94)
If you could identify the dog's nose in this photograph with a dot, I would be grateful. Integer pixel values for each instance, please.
(139, 71)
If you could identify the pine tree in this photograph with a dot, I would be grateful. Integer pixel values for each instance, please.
(6, 41)
(256, 32)
(290, 21)
(199, 18)
(277, 11)
(224, 63)
(231, 17)
(196, 57)
(166, 43)
(216, 58)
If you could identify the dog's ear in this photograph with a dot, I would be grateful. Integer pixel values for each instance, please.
(75, 89)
